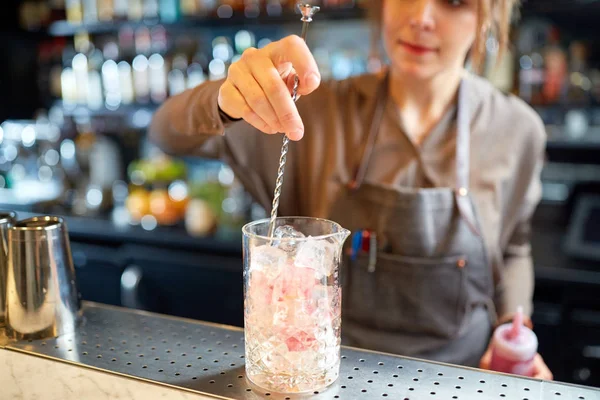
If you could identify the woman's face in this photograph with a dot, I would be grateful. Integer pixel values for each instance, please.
(426, 37)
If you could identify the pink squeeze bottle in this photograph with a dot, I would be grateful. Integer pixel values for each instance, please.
(514, 347)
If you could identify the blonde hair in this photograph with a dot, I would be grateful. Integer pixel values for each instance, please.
(494, 18)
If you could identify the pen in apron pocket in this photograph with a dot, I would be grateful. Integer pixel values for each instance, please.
(372, 251)
(356, 244)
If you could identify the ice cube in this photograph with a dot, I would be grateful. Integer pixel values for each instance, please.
(299, 340)
(302, 316)
(288, 233)
(268, 260)
(319, 255)
(260, 290)
(280, 314)
(273, 355)
(327, 300)
(294, 283)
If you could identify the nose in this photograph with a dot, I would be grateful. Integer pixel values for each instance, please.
(422, 16)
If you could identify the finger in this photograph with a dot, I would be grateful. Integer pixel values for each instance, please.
(541, 370)
(237, 102)
(486, 359)
(241, 77)
(293, 49)
(275, 88)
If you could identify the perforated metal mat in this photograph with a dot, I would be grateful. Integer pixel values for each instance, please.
(209, 359)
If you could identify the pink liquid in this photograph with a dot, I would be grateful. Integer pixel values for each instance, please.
(514, 354)
(501, 364)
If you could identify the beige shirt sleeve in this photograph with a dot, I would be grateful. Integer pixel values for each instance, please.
(517, 285)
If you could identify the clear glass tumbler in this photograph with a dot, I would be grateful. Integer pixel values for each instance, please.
(292, 303)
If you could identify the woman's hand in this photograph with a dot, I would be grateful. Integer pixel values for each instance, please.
(258, 86)
(540, 369)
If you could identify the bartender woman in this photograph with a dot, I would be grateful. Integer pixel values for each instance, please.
(440, 165)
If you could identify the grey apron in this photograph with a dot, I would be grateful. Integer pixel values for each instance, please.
(429, 293)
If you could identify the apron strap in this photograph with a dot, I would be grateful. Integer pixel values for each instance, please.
(369, 145)
(462, 150)
(463, 157)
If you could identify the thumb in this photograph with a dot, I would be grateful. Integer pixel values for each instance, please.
(294, 50)
(486, 360)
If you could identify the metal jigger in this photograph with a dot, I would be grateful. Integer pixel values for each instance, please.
(42, 299)
(307, 12)
(7, 219)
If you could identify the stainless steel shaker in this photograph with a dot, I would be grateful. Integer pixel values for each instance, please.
(7, 219)
(42, 299)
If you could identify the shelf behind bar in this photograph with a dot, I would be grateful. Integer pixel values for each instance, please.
(66, 28)
(138, 116)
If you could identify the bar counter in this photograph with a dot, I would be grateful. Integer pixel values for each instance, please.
(123, 353)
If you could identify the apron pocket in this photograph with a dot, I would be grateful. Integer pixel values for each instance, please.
(407, 294)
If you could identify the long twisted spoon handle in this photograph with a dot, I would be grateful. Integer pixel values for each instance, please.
(307, 12)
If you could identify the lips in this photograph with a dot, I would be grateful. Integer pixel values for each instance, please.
(416, 49)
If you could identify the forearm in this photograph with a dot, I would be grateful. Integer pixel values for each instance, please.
(517, 287)
(186, 122)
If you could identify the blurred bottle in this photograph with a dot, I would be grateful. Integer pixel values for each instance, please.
(150, 9)
(80, 70)
(531, 41)
(143, 41)
(111, 50)
(251, 8)
(120, 9)
(135, 11)
(169, 10)
(127, 42)
(226, 8)
(579, 85)
(110, 76)
(222, 49)
(90, 11)
(274, 8)
(106, 11)
(177, 76)
(141, 79)
(105, 168)
(57, 10)
(555, 75)
(82, 42)
(195, 71)
(158, 36)
(189, 8)
(34, 15)
(196, 76)
(74, 11)
(207, 7)
(531, 77)
(216, 70)
(500, 72)
(126, 82)
(322, 57)
(68, 84)
(158, 78)
(94, 94)
(243, 40)
(339, 3)
(112, 88)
